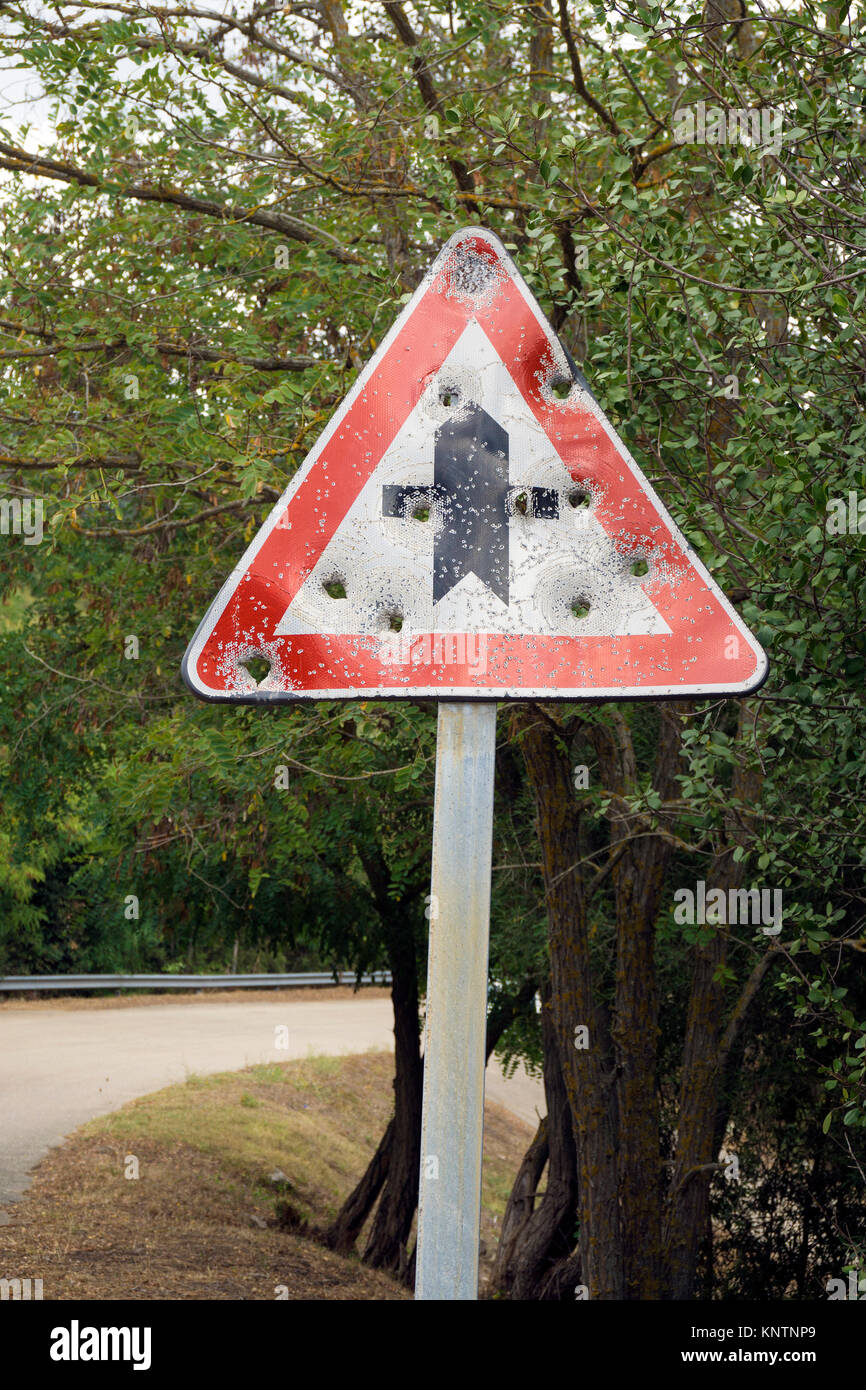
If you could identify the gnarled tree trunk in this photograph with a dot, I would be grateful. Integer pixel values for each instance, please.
(546, 1233)
(586, 1070)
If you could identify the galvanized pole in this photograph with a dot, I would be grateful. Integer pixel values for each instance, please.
(449, 1205)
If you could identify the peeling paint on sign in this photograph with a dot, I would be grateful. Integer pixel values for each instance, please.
(461, 529)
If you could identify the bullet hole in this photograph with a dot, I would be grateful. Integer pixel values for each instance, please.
(258, 667)
(334, 588)
(579, 497)
(521, 503)
(394, 621)
(639, 567)
(449, 396)
(421, 514)
(580, 608)
(561, 387)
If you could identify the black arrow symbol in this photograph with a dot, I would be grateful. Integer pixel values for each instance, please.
(470, 469)
(470, 473)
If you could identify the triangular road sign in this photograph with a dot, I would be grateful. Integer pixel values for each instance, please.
(460, 530)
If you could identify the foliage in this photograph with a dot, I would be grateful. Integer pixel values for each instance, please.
(216, 231)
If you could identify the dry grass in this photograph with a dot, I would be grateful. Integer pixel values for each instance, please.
(200, 1221)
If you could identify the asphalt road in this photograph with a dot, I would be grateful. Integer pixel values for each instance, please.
(60, 1067)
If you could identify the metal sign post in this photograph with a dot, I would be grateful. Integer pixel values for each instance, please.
(454, 1047)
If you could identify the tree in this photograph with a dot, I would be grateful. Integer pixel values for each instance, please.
(221, 225)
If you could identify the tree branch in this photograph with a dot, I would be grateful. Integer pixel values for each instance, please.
(577, 72)
(429, 95)
(164, 524)
(198, 354)
(22, 162)
(745, 1001)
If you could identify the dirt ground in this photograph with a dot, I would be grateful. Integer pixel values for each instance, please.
(223, 1165)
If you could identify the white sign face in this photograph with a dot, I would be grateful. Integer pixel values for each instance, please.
(392, 556)
(460, 530)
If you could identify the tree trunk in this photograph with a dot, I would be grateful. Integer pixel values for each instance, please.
(689, 1192)
(638, 872)
(707, 1048)
(349, 1221)
(609, 1069)
(386, 1248)
(585, 1068)
(519, 1208)
(393, 1171)
(548, 1236)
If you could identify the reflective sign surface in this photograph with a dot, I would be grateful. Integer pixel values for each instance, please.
(470, 524)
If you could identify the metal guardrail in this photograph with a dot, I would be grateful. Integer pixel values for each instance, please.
(315, 979)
